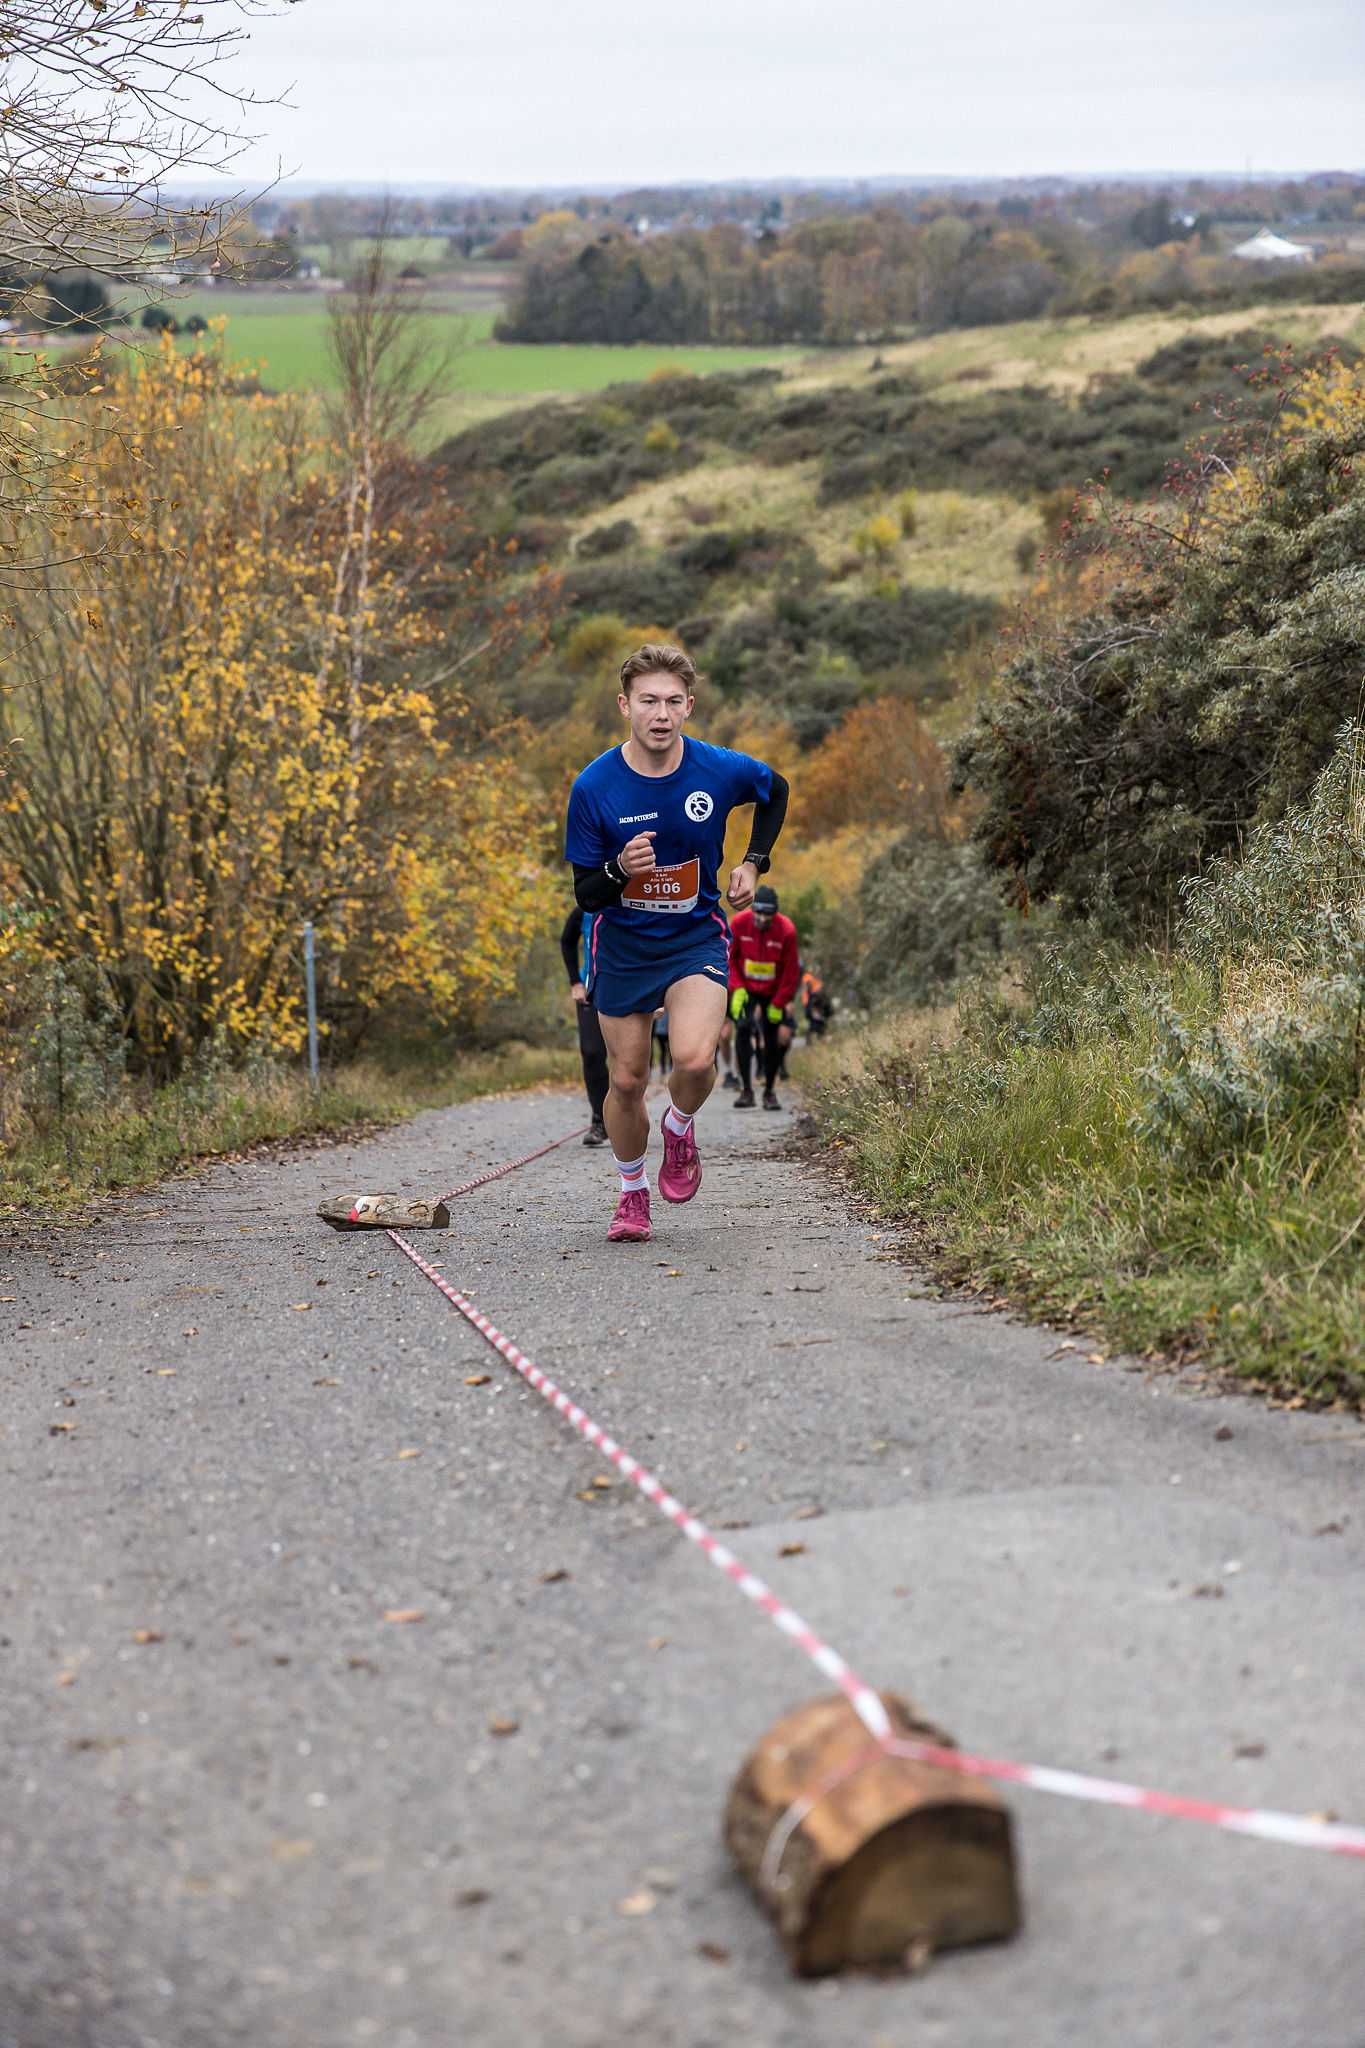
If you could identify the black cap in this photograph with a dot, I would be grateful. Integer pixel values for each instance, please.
(765, 898)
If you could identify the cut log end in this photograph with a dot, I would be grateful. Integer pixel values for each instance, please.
(892, 1862)
(383, 1212)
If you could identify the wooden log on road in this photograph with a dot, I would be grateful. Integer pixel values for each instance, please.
(383, 1212)
(895, 1860)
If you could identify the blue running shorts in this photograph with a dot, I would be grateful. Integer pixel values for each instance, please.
(631, 971)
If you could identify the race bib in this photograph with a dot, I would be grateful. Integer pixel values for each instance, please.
(760, 970)
(671, 890)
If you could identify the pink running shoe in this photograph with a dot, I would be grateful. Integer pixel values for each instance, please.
(680, 1174)
(631, 1220)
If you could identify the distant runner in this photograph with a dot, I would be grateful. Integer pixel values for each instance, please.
(765, 964)
(816, 1004)
(646, 835)
(591, 1044)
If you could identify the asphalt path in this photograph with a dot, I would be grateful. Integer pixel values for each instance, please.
(242, 1804)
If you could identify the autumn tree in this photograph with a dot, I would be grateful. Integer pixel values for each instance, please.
(242, 733)
(100, 102)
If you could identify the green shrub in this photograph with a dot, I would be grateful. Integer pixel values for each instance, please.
(607, 540)
(930, 914)
(1203, 698)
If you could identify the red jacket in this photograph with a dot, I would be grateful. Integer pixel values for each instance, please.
(767, 963)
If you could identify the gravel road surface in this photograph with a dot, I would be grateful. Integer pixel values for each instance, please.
(242, 1803)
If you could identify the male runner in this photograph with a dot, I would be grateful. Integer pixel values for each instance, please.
(646, 835)
(765, 964)
(591, 1045)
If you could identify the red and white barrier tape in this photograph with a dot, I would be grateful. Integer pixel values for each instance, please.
(868, 1707)
(1298, 1829)
(512, 1165)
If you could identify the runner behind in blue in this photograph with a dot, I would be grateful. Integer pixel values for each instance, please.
(646, 836)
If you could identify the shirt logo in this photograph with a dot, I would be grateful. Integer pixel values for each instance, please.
(699, 805)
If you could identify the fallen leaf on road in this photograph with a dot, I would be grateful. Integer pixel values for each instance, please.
(1210, 1591)
(799, 1289)
(636, 1903)
(363, 1664)
(1249, 1749)
(327, 1383)
(1325, 1815)
(191, 1332)
(807, 1514)
(601, 1480)
(657, 1642)
(60, 1428)
(1329, 1529)
(791, 1550)
(1096, 1358)
(66, 1678)
(477, 1379)
(168, 1372)
(1222, 1433)
(407, 1454)
(292, 1852)
(148, 1635)
(553, 1578)
(502, 1724)
(674, 1273)
(713, 1952)
(403, 1614)
(299, 1307)
(472, 1895)
(9, 1297)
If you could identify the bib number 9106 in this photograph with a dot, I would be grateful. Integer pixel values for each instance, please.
(669, 890)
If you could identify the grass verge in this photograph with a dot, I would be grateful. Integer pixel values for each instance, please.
(143, 1134)
(1023, 1165)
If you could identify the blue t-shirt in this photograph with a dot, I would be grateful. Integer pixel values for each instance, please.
(686, 811)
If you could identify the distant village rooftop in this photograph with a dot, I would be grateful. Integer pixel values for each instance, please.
(1266, 247)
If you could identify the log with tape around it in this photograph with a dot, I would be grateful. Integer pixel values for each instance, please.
(383, 1212)
(866, 1859)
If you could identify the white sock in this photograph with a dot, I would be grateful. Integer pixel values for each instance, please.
(634, 1179)
(677, 1121)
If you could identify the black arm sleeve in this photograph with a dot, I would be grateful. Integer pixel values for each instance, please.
(594, 887)
(768, 820)
(568, 945)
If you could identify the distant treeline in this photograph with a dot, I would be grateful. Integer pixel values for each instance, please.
(829, 280)
(868, 277)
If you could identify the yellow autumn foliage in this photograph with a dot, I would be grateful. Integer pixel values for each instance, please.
(234, 732)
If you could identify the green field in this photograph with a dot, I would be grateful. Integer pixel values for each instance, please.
(284, 339)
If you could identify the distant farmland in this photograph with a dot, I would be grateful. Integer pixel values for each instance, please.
(284, 338)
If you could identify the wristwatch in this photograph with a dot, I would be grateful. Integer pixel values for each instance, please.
(756, 860)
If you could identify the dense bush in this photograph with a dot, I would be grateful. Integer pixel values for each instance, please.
(930, 914)
(608, 540)
(560, 459)
(801, 631)
(1202, 697)
(662, 588)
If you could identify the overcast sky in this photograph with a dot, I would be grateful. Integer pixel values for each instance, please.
(529, 92)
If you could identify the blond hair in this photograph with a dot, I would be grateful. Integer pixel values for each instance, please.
(657, 658)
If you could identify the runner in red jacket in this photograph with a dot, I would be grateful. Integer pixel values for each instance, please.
(765, 965)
